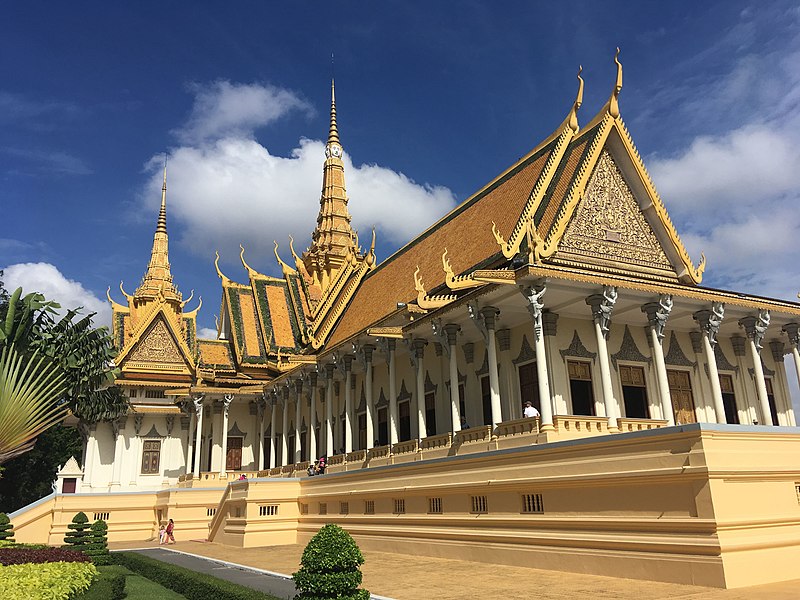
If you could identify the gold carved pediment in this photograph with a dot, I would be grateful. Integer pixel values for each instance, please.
(608, 224)
(157, 346)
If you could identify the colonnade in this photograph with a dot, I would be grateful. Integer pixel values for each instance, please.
(319, 383)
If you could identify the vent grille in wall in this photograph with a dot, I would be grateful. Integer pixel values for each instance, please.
(479, 504)
(532, 503)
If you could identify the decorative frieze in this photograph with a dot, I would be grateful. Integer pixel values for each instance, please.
(549, 323)
(469, 352)
(526, 353)
(576, 349)
(628, 350)
(778, 350)
(503, 339)
(404, 393)
(738, 343)
(675, 355)
(697, 341)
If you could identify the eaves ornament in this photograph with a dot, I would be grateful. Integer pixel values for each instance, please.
(460, 282)
(429, 302)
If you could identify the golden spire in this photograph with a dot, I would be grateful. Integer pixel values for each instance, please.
(613, 102)
(333, 133)
(333, 239)
(573, 114)
(157, 281)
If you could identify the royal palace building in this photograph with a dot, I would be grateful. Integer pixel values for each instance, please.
(666, 445)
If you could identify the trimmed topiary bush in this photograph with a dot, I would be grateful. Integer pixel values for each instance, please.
(97, 548)
(22, 555)
(55, 580)
(79, 536)
(330, 567)
(6, 528)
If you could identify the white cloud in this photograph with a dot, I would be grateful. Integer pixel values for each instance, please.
(207, 333)
(224, 109)
(231, 190)
(48, 280)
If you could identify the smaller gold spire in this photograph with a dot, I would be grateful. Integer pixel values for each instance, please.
(573, 115)
(613, 102)
(162, 214)
(333, 133)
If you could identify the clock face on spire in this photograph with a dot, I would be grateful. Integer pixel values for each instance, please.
(333, 150)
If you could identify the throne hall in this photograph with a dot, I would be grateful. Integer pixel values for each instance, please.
(666, 445)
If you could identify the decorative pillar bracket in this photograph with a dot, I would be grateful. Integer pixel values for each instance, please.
(533, 294)
(440, 336)
(602, 307)
(710, 320)
(476, 316)
(226, 403)
(416, 348)
(756, 327)
(658, 313)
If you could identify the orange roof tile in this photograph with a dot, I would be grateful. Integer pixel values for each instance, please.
(279, 314)
(466, 233)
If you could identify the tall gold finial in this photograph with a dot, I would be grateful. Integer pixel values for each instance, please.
(613, 102)
(573, 115)
(162, 214)
(333, 134)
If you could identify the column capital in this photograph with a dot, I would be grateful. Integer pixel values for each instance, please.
(793, 331)
(737, 342)
(452, 330)
(391, 344)
(755, 327)
(777, 349)
(312, 379)
(298, 385)
(226, 402)
(602, 306)
(490, 314)
(330, 369)
(710, 320)
(347, 360)
(549, 323)
(285, 393)
(367, 350)
(658, 313)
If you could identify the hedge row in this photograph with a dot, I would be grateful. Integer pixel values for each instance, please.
(51, 581)
(109, 585)
(22, 555)
(195, 586)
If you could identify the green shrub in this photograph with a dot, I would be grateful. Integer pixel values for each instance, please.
(109, 585)
(330, 567)
(97, 546)
(195, 586)
(50, 581)
(6, 528)
(78, 536)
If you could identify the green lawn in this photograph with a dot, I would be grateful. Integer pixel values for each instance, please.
(140, 588)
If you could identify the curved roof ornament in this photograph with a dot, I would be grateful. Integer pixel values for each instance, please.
(128, 297)
(573, 115)
(371, 254)
(252, 273)
(613, 102)
(185, 302)
(220, 274)
(193, 313)
(287, 270)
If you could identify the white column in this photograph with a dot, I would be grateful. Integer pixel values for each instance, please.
(198, 432)
(507, 380)
(418, 359)
(391, 346)
(657, 315)
(285, 429)
(262, 413)
(329, 447)
(273, 425)
(490, 314)
(298, 417)
(348, 404)
(312, 419)
(793, 331)
(709, 321)
(602, 306)
(119, 447)
(190, 441)
(755, 329)
(368, 350)
(533, 294)
(451, 330)
(783, 402)
(226, 404)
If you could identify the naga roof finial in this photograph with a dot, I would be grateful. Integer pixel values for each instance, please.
(220, 274)
(573, 115)
(250, 271)
(613, 102)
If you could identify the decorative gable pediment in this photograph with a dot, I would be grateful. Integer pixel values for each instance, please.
(157, 350)
(608, 227)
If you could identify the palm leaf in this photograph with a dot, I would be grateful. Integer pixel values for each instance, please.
(31, 393)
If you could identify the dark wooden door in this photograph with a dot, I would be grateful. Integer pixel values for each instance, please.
(680, 390)
(233, 461)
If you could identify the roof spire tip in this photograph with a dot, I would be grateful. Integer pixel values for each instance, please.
(613, 108)
(573, 115)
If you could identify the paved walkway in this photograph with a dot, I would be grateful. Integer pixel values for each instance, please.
(407, 577)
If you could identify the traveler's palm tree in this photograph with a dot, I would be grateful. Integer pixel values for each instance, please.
(31, 400)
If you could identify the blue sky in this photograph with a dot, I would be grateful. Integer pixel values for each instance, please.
(434, 99)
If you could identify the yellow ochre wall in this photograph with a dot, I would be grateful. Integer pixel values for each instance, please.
(704, 504)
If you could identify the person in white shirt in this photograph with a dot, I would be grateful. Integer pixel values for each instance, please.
(530, 411)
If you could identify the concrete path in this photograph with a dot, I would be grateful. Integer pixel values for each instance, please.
(417, 577)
